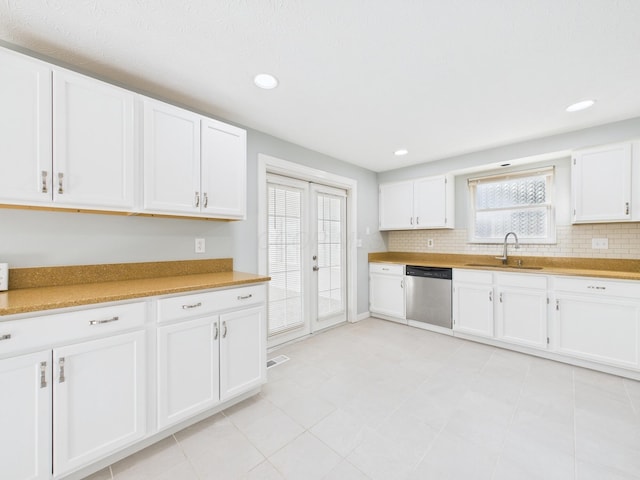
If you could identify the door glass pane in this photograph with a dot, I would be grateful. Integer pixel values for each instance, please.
(331, 255)
(284, 262)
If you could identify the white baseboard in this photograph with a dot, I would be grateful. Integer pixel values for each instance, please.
(362, 316)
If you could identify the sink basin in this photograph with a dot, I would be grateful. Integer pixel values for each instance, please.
(514, 267)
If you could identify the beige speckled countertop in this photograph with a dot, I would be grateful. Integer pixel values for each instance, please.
(622, 269)
(158, 278)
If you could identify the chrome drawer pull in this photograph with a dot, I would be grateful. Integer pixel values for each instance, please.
(194, 305)
(244, 297)
(44, 174)
(61, 365)
(100, 322)
(60, 187)
(594, 287)
(224, 325)
(43, 374)
(217, 331)
(6, 336)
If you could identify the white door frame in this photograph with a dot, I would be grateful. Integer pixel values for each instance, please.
(269, 164)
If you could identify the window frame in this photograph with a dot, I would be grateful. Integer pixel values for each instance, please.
(550, 205)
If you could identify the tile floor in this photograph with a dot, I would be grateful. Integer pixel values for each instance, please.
(377, 400)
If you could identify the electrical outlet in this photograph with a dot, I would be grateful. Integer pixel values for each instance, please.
(600, 243)
(430, 243)
(200, 245)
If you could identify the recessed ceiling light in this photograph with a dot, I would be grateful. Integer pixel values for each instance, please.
(266, 81)
(401, 152)
(576, 107)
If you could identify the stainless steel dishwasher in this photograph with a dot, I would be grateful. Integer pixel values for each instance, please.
(428, 295)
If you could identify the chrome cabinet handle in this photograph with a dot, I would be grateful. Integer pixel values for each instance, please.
(45, 189)
(401, 283)
(197, 199)
(100, 322)
(244, 297)
(61, 366)
(43, 374)
(626, 208)
(60, 179)
(6, 336)
(193, 305)
(500, 297)
(417, 220)
(491, 296)
(224, 325)
(557, 304)
(411, 220)
(205, 199)
(215, 337)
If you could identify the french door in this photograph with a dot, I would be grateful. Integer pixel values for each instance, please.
(306, 257)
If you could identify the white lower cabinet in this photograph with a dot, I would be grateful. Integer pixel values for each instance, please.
(386, 290)
(521, 309)
(188, 364)
(243, 359)
(99, 399)
(25, 417)
(206, 357)
(598, 320)
(473, 302)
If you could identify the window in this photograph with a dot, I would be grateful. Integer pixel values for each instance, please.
(520, 202)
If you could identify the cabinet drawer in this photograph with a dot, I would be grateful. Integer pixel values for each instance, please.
(62, 328)
(598, 286)
(523, 280)
(199, 304)
(387, 268)
(472, 276)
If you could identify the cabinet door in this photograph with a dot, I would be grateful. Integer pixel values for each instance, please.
(171, 159)
(25, 129)
(430, 202)
(521, 316)
(386, 295)
(243, 362)
(25, 417)
(601, 184)
(224, 170)
(188, 369)
(396, 206)
(94, 155)
(604, 330)
(473, 309)
(99, 399)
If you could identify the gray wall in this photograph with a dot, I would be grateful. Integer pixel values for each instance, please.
(42, 238)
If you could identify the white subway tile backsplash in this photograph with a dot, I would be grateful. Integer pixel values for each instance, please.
(572, 241)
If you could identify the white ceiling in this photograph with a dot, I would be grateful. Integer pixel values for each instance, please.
(359, 78)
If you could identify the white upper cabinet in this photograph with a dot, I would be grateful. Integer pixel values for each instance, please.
(224, 170)
(192, 164)
(171, 159)
(25, 129)
(94, 154)
(417, 204)
(433, 202)
(396, 206)
(601, 183)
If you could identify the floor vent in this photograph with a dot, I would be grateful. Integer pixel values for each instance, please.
(277, 361)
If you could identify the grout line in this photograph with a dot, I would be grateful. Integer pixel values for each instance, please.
(633, 406)
(575, 436)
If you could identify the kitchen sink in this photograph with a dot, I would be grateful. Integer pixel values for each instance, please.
(514, 267)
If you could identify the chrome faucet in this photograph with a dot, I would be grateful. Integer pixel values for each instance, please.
(504, 250)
